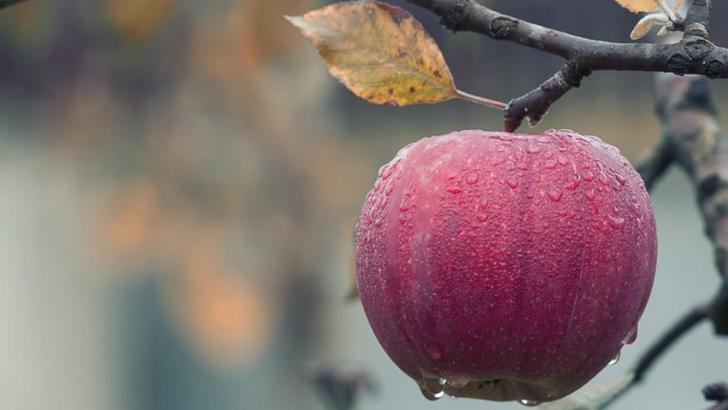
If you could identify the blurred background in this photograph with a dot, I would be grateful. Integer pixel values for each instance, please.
(180, 180)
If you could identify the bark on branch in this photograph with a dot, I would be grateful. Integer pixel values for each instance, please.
(694, 54)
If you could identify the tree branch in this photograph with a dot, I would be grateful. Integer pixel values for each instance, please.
(694, 54)
(654, 164)
(697, 20)
(691, 129)
(677, 330)
(716, 392)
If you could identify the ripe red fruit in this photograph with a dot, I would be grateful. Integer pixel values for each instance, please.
(504, 266)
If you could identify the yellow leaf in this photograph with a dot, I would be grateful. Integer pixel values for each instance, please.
(645, 25)
(637, 6)
(379, 52)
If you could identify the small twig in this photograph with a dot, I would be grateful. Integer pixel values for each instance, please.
(536, 103)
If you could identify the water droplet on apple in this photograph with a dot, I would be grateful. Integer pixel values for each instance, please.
(550, 164)
(615, 221)
(432, 396)
(529, 403)
(454, 190)
(573, 184)
(404, 205)
(512, 183)
(555, 195)
(591, 195)
(622, 180)
(562, 160)
(387, 169)
(457, 382)
(431, 388)
(472, 179)
(533, 149)
(615, 359)
(631, 336)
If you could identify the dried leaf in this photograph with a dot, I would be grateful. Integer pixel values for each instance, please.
(645, 25)
(638, 6)
(379, 52)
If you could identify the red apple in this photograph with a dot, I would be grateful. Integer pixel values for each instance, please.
(505, 266)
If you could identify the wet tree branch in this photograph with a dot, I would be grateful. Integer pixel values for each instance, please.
(694, 54)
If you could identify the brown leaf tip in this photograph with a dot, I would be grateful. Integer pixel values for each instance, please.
(397, 14)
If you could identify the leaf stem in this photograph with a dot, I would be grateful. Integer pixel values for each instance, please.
(481, 100)
(674, 18)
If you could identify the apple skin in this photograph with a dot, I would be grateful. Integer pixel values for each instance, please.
(505, 266)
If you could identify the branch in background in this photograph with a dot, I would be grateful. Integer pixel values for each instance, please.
(695, 54)
(688, 116)
(339, 389)
(717, 392)
(654, 164)
(678, 329)
(720, 406)
(8, 3)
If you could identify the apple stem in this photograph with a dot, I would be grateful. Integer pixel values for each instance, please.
(481, 100)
